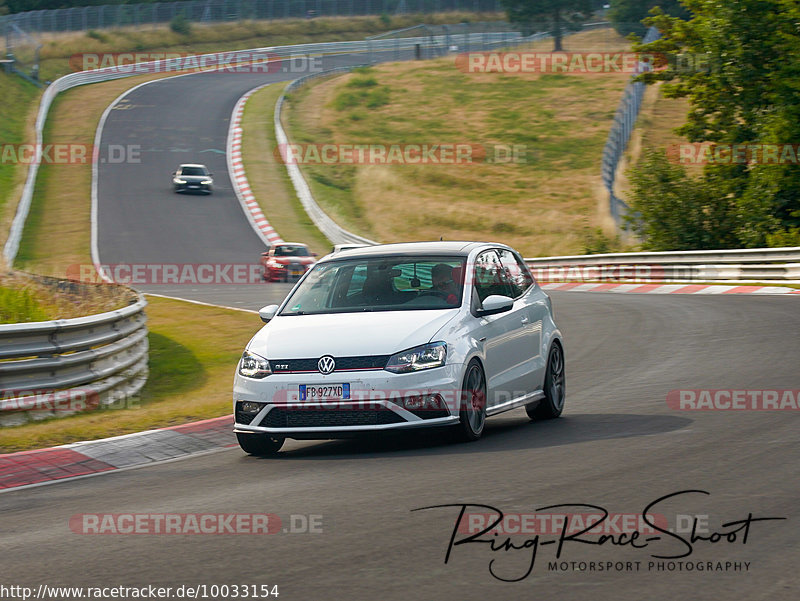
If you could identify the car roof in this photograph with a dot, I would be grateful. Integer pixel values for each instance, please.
(289, 244)
(459, 248)
(192, 165)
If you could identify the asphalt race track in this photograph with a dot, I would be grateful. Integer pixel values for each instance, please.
(618, 446)
(142, 221)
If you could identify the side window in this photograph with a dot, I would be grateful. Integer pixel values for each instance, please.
(517, 273)
(489, 276)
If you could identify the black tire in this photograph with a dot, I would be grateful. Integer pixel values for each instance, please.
(261, 445)
(472, 412)
(555, 387)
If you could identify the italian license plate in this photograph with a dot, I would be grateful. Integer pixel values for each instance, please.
(324, 392)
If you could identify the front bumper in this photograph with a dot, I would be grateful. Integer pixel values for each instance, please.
(289, 273)
(375, 405)
(193, 187)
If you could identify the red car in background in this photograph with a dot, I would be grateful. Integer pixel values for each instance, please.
(286, 261)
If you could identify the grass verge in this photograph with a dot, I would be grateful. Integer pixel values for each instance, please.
(191, 371)
(268, 177)
(546, 205)
(17, 113)
(655, 128)
(25, 298)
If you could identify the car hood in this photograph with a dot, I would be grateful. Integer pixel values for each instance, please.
(347, 334)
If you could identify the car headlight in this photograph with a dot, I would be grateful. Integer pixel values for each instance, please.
(418, 358)
(206, 181)
(180, 181)
(253, 366)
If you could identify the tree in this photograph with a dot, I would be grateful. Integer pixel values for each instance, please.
(743, 90)
(672, 211)
(627, 15)
(552, 15)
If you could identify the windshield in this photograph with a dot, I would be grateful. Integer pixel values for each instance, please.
(193, 171)
(291, 251)
(379, 284)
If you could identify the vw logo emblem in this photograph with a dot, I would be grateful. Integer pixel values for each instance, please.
(326, 364)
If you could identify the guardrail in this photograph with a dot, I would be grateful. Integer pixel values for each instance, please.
(768, 265)
(58, 368)
(329, 228)
(620, 134)
(218, 59)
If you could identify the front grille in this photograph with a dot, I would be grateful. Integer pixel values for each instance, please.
(312, 418)
(342, 364)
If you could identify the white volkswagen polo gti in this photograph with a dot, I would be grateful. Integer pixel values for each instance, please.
(398, 336)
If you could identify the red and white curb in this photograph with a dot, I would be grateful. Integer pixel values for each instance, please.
(239, 179)
(81, 459)
(667, 288)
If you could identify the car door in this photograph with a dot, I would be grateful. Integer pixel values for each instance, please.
(503, 335)
(532, 306)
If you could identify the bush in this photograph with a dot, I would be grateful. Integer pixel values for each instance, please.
(672, 211)
(597, 242)
(180, 24)
(96, 35)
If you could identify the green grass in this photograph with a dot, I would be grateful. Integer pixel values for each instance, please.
(29, 251)
(24, 298)
(543, 202)
(20, 305)
(17, 98)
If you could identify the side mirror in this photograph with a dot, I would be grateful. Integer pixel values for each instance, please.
(265, 254)
(494, 304)
(314, 254)
(267, 313)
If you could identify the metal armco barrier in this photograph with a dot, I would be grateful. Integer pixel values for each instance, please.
(620, 134)
(729, 266)
(329, 228)
(94, 361)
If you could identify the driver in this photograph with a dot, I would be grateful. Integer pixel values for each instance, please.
(443, 283)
